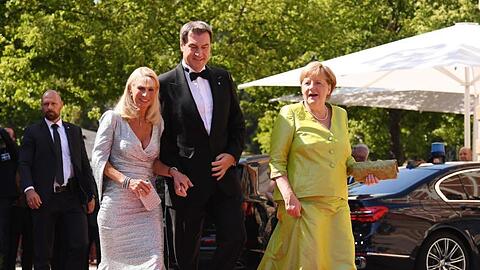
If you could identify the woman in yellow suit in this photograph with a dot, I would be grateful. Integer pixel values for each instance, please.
(310, 153)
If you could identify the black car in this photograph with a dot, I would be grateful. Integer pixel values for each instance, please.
(427, 218)
(259, 209)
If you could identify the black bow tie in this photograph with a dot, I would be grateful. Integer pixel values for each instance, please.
(195, 75)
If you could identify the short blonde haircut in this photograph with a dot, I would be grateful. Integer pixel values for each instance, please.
(126, 106)
(317, 69)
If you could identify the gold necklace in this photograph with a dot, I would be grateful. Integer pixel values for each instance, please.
(320, 119)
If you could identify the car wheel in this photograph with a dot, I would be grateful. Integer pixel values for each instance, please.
(443, 251)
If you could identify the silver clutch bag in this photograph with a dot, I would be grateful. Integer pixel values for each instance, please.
(151, 200)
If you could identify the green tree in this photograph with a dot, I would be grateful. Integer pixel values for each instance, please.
(86, 49)
(393, 133)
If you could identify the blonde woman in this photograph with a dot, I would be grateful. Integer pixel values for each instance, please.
(125, 152)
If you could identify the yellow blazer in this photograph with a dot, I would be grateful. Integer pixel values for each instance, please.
(314, 158)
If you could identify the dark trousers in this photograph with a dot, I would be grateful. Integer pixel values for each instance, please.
(93, 234)
(21, 229)
(227, 215)
(62, 213)
(93, 239)
(5, 221)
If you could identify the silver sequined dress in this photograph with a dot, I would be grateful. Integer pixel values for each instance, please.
(130, 236)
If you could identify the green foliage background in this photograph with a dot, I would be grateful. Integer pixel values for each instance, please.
(86, 49)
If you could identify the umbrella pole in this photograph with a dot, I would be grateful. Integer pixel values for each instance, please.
(475, 139)
(476, 112)
(466, 117)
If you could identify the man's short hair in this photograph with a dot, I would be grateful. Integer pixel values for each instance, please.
(197, 27)
(50, 92)
(355, 152)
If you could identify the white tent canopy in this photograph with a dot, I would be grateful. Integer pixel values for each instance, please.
(445, 60)
(393, 99)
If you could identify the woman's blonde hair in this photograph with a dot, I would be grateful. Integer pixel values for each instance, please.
(126, 106)
(316, 68)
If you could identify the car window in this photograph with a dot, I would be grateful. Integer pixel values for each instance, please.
(452, 188)
(255, 175)
(405, 179)
(471, 184)
(264, 178)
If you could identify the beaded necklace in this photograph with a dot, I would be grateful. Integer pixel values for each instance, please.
(319, 119)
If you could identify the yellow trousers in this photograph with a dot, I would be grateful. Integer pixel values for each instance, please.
(321, 239)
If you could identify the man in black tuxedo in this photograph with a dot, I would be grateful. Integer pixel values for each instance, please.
(204, 138)
(58, 183)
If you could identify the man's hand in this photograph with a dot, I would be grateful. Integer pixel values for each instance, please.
(91, 206)
(221, 164)
(293, 205)
(181, 183)
(33, 199)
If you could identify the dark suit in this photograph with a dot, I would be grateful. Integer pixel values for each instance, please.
(8, 191)
(65, 209)
(187, 145)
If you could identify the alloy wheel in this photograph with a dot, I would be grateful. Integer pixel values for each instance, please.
(445, 254)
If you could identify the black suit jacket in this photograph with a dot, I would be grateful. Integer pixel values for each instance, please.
(8, 165)
(37, 163)
(185, 142)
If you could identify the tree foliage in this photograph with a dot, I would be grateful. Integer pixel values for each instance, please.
(370, 23)
(86, 49)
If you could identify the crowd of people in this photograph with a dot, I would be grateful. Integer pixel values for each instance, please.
(187, 126)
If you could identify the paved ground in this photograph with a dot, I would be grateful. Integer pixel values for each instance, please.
(91, 267)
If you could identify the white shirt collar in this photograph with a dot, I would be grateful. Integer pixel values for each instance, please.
(50, 123)
(184, 64)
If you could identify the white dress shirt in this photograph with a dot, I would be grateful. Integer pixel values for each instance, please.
(202, 95)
